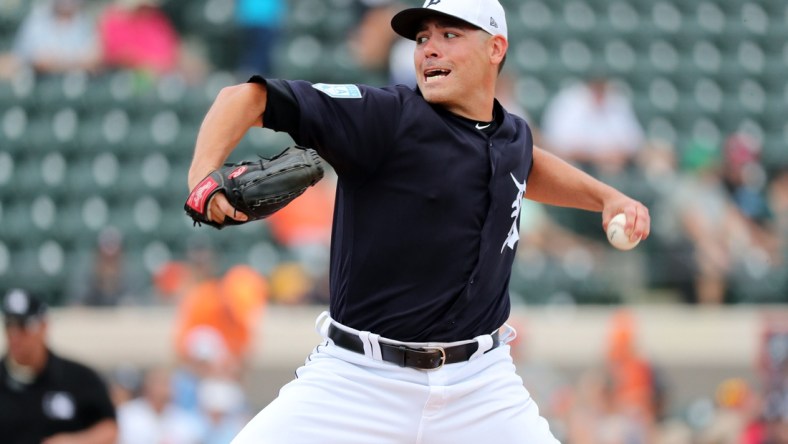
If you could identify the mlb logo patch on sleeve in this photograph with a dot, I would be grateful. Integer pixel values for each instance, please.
(339, 91)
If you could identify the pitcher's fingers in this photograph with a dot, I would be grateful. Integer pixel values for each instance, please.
(220, 208)
(641, 223)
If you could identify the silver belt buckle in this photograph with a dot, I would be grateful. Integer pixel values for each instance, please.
(443, 356)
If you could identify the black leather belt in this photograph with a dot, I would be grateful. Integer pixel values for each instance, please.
(426, 358)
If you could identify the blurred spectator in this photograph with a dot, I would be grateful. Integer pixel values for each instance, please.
(539, 231)
(45, 398)
(616, 404)
(773, 372)
(106, 282)
(291, 284)
(170, 280)
(260, 23)
(232, 305)
(205, 356)
(670, 253)
(124, 384)
(744, 176)
(778, 202)
(137, 35)
(401, 70)
(304, 226)
(712, 223)
(176, 278)
(594, 417)
(594, 126)
(506, 93)
(229, 304)
(153, 418)
(730, 417)
(307, 220)
(549, 386)
(223, 406)
(57, 36)
(632, 379)
(375, 46)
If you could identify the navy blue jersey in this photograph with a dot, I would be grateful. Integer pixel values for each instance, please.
(427, 209)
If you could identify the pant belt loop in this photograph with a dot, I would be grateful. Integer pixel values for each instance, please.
(506, 334)
(485, 344)
(364, 336)
(322, 323)
(375, 343)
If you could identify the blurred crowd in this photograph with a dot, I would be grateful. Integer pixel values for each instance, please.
(719, 235)
(720, 213)
(61, 36)
(626, 398)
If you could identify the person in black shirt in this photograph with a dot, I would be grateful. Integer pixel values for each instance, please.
(425, 231)
(45, 398)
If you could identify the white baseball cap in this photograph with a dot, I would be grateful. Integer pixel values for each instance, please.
(485, 14)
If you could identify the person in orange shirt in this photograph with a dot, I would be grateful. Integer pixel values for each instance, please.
(307, 220)
(304, 229)
(631, 374)
(232, 305)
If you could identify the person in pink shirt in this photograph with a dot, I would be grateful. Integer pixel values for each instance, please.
(136, 34)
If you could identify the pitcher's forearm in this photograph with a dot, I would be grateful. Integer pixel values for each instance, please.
(553, 181)
(235, 110)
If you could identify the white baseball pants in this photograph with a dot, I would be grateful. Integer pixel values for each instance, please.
(344, 397)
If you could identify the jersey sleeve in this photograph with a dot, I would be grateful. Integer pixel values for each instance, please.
(352, 127)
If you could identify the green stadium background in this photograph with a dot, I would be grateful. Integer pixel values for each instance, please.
(80, 153)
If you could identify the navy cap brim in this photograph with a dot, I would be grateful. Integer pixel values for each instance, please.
(408, 21)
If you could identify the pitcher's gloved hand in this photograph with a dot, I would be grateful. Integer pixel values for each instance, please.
(256, 188)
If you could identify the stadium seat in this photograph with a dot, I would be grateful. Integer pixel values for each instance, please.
(7, 163)
(300, 57)
(663, 56)
(663, 94)
(531, 19)
(80, 219)
(774, 154)
(579, 16)
(708, 95)
(5, 261)
(42, 175)
(17, 222)
(620, 57)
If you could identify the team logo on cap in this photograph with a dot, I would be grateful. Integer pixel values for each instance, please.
(17, 302)
(431, 3)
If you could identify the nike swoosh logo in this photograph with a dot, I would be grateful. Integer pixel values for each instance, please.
(479, 127)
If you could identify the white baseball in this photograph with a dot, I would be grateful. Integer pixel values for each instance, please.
(616, 235)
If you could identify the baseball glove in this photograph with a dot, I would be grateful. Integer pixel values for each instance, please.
(256, 188)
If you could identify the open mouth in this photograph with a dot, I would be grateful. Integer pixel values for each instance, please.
(435, 74)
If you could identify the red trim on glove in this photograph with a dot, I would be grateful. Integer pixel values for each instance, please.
(201, 192)
(237, 172)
